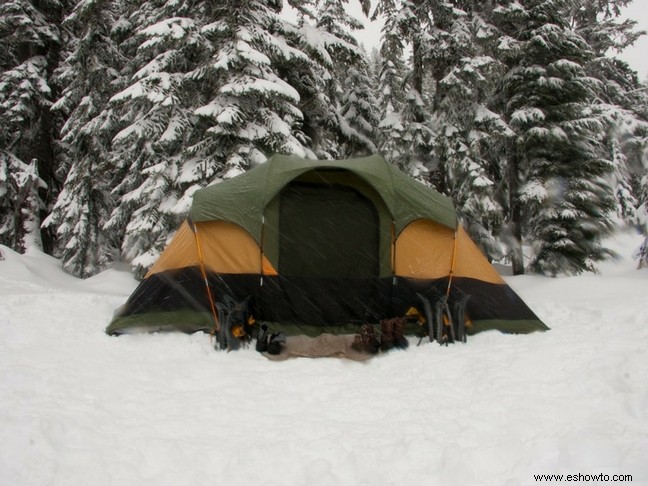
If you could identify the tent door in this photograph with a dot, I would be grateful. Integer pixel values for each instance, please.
(327, 230)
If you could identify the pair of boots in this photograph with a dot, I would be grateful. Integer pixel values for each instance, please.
(271, 343)
(392, 335)
(366, 340)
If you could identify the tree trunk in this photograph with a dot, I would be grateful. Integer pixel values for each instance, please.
(417, 75)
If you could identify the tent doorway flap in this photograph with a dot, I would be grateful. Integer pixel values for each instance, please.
(327, 230)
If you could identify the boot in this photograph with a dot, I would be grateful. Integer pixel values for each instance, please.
(366, 341)
(276, 343)
(387, 334)
(262, 339)
(400, 341)
(271, 343)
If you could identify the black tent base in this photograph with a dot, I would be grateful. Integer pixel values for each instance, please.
(178, 300)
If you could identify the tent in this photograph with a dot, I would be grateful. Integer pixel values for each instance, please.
(322, 247)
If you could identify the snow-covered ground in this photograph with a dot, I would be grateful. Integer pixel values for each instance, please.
(78, 407)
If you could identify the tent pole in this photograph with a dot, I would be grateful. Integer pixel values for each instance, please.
(204, 275)
(454, 259)
(393, 252)
(261, 270)
(262, 249)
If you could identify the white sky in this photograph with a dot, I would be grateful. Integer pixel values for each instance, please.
(636, 56)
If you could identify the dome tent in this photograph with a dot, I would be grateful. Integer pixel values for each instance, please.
(320, 247)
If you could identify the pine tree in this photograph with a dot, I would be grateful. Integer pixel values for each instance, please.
(206, 100)
(309, 76)
(642, 218)
(359, 117)
(626, 202)
(344, 82)
(30, 46)
(163, 44)
(442, 130)
(623, 103)
(391, 125)
(411, 137)
(391, 81)
(638, 165)
(10, 166)
(28, 208)
(90, 76)
(21, 204)
(558, 174)
(470, 134)
(250, 111)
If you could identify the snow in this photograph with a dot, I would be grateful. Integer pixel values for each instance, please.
(217, 27)
(527, 115)
(173, 130)
(251, 55)
(157, 65)
(136, 90)
(80, 407)
(263, 87)
(392, 121)
(175, 27)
